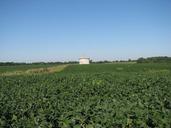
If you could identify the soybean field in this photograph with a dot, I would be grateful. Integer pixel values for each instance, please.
(87, 96)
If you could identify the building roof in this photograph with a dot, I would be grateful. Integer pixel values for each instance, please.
(84, 58)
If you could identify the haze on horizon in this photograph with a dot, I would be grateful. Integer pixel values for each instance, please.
(64, 30)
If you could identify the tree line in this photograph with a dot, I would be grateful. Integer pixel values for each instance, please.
(35, 63)
(160, 59)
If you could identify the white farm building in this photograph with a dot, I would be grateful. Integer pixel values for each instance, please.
(84, 60)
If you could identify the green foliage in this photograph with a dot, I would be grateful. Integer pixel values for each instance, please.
(24, 67)
(162, 59)
(89, 96)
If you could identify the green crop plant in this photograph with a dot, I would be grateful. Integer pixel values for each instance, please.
(89, 96)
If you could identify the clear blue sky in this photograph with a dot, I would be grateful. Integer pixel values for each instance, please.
(62, 30)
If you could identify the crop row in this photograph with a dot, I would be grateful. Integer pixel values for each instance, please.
(85, 101)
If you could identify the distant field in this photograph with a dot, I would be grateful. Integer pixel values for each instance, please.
(87, 96)
(22, 67)
(116, 68)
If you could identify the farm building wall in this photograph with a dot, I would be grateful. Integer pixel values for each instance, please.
(84, 61)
